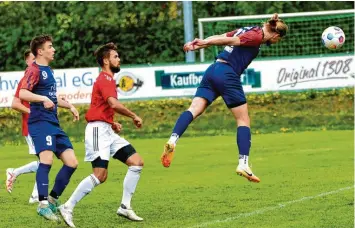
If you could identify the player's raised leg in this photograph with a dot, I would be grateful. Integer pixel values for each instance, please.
(196, 108)
(244, 142)
(13, 173)
(133, 160)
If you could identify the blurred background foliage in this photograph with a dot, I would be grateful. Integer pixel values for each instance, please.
(273, 112)
(145, 32)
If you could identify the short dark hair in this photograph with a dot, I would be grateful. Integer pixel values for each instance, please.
(26, 53)
(38, 41)
(104, 52)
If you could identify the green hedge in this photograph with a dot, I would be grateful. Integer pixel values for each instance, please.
(269, 112)
(146, 32)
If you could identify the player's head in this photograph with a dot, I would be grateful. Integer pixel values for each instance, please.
(42, 47)
(29, 57)
(276, 29)
(107, 57)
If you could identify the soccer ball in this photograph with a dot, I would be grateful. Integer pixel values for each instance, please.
(333, 38)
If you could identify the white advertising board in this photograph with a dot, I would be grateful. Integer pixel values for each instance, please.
(182, 80)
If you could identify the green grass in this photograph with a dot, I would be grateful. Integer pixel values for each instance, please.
(201, 188)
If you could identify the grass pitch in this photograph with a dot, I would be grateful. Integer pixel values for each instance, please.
(307, 180)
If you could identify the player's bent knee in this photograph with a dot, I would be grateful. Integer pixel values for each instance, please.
(73, 164)
(101, 174)
(125, 153)
(243, 120)
(102, 177)
(136, 162)
(68, 158)
(46, 157)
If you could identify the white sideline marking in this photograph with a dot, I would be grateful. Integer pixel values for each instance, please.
(280, 205)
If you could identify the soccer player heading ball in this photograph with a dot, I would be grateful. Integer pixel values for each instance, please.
(222, 78)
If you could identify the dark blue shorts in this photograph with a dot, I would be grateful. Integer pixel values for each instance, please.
(49, 136)
(221, 80)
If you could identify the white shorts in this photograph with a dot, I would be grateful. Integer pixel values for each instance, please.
(31, 146)
(101, 141)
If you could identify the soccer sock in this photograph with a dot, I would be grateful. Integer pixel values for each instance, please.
(84, 188)
(244, 143)
(34, 191)
(130, 183)
(181, 125)
(28, 168)
(42, 181)
(61, 181)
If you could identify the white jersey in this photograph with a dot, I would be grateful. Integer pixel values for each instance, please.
(31, 146)
(101, 141)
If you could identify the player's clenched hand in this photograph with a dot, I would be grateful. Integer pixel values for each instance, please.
(189, 46)
(137, 121)
(75, 113)
(48, 104)
(117, 127)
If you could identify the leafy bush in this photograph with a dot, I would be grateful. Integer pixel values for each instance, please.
(269, 112)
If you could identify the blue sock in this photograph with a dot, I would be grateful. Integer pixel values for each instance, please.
(182, 123)
(62, 180)
(42, 181)
(243, 141)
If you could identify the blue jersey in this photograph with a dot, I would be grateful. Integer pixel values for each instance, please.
(40, 80)
(239, 57)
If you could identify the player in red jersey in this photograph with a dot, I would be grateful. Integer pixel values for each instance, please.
(102, 140)
(24, 108)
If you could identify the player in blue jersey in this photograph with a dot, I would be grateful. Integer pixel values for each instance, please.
(222, 78)
(39, 88)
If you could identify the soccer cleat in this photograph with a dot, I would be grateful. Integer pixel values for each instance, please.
(245, 171)
(168, 154)
(67, 215)
(33, 199)
(53, 204)
(128, 213)
(44, 211)
(10, 179)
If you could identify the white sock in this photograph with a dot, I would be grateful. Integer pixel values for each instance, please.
(243, 160)
(173, 138)
(35, 191)
(130, 183)
(84, 188)
(28, 168)
(44, 202)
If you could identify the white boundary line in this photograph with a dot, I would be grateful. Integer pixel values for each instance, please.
(278, 206)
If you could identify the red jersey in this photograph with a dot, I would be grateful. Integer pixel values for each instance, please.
(24, 115)
(100, 110)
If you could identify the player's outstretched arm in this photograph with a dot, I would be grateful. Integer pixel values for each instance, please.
(18, 106)
(27, 95)
(218, 41)
(121, 109)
